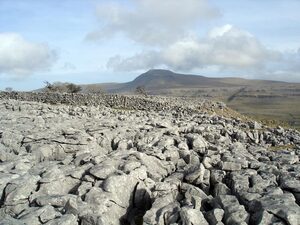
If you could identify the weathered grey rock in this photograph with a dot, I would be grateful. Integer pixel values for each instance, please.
(217, 176)
(38, 215)
(103, 170)
(155, 167)
(100, 207)
(264, 217)
(197, 142)
(67, 219)
(230, 166)
(168, 214)
(172, 154)
(48, 152)
(55, 200)
(239, 182)
(234, 212)
(196, 176)
(190, 216)
(207, 162)
(5, 179)
(97, 220)
(254, 125)
(61, 186)
(286, 158)
(290, 183)
(48, 215)
(153, 215)
(248, 200)
(18, 191)
(161, 164)
(11, 221)
(240, 135)
(130, 166)
(214, 216)
(121, 187)
(220, 189)
(83, 188)
(282, 206)
(183, 146)
(71, 207)
(193, 190)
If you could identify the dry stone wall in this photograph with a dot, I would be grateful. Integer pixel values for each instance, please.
(151, 103)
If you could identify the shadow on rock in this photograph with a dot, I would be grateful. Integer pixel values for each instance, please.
(141, 202)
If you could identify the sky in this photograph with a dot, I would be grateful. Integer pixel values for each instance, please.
(96, 41)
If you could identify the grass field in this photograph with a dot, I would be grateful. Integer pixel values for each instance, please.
(272, 105)
(283, 111)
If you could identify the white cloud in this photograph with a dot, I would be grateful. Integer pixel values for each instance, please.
(20, 57)
(225, 47)
(142, 60)
(167, 32)
(220, 31)
(152, 22)
(287, 68)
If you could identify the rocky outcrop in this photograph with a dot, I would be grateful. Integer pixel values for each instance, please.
(94, 165)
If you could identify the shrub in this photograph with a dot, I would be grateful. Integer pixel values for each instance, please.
(73, 88)
(140, 90)
(62, 87)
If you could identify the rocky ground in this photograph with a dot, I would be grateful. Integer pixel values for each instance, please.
(95, 165)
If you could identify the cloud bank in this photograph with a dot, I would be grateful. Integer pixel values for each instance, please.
(19, 57)
(226, 47)
(152, 22)
(170, 35)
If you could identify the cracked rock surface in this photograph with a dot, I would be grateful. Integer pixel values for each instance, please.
(94, 165)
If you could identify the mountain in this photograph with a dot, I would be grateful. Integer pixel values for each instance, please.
(157, 81)
(261, 99)
(161, 79)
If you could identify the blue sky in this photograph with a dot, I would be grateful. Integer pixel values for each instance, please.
(90, 41)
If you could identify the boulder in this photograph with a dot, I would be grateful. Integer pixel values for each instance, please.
(230, 166)
(190, 216)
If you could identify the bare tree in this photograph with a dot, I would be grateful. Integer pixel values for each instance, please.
(48, 86)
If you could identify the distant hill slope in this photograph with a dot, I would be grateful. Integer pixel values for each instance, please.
(261, 99)
(160, 79)
(157, 81)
